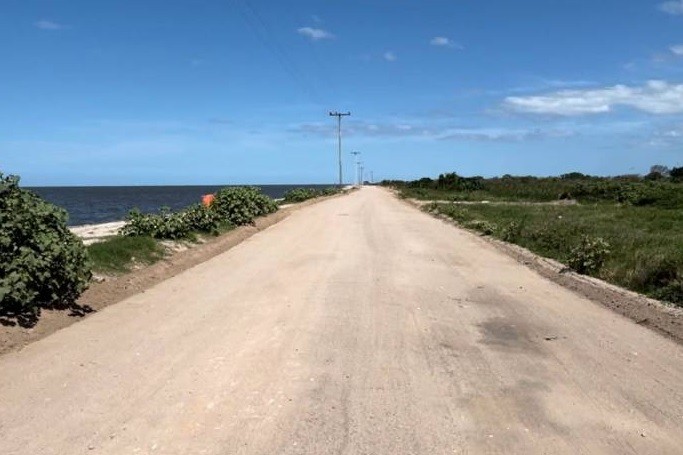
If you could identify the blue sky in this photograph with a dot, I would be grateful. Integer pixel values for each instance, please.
(238, 91)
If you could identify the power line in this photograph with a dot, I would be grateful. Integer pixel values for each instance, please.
(254, 21)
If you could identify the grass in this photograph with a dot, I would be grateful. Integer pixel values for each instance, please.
(645, 243)
(117, 254)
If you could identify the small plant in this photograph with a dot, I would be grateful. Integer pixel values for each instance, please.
(589, 255)
(42, 264)
(511, 232)
(485, 227)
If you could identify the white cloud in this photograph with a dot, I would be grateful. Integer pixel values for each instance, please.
(674, 7)
(655, 97)
(389, 56)
(677, 49)
(45, 24)
(442, 41)
(315, 33)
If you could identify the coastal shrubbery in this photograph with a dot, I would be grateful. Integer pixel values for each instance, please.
(42, 264)
(303, 194)
(233, 206)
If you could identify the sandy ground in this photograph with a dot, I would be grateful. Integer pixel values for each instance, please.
(357, 325)
(91, 233)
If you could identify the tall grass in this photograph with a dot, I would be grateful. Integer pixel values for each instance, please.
(117, 254)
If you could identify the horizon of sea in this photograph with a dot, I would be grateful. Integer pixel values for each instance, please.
(102, 204)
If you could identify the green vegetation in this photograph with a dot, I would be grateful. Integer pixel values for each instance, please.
(42, 264)
(233, 206)
(640, 248)
(303, 194)
(665, 192)
(118, 253)
(239, 206)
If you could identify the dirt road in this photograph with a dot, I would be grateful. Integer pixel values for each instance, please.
(356, 326)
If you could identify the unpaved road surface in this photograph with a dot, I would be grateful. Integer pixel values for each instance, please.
(355, 326)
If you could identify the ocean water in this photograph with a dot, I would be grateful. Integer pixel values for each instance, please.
(100, 204)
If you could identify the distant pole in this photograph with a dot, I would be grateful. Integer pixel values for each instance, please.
(361, 174)
(372, 177)
(357, 166)
(339, 116)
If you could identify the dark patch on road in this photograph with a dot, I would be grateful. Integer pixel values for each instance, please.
(510, 336)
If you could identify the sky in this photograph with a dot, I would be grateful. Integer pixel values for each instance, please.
(132, 92)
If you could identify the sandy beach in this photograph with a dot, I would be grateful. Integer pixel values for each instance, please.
(93, 233)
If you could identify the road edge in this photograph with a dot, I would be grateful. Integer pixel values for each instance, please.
(654, 314)
(116, 289)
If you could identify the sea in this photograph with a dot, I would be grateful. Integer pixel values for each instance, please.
(101, 204)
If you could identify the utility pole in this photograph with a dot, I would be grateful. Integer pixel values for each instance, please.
(339, 116)
(361, 173)
(357, 167)
(372, 176)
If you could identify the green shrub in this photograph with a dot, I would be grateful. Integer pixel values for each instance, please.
(203, 219)
(671, 292)
(511, 232)
(240, 205)
(553, 237)
(165, 225)
(589, 255)
(42, 264)
(329, 191)
(300, 195)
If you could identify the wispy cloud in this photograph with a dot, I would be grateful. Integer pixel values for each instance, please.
(368, 129)
(45, 24)
(439, 133)
(442, 41)
(676, 49)
(504, 134)
(389, 56)
(655, 97)
(674, 7)
(315, 34)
